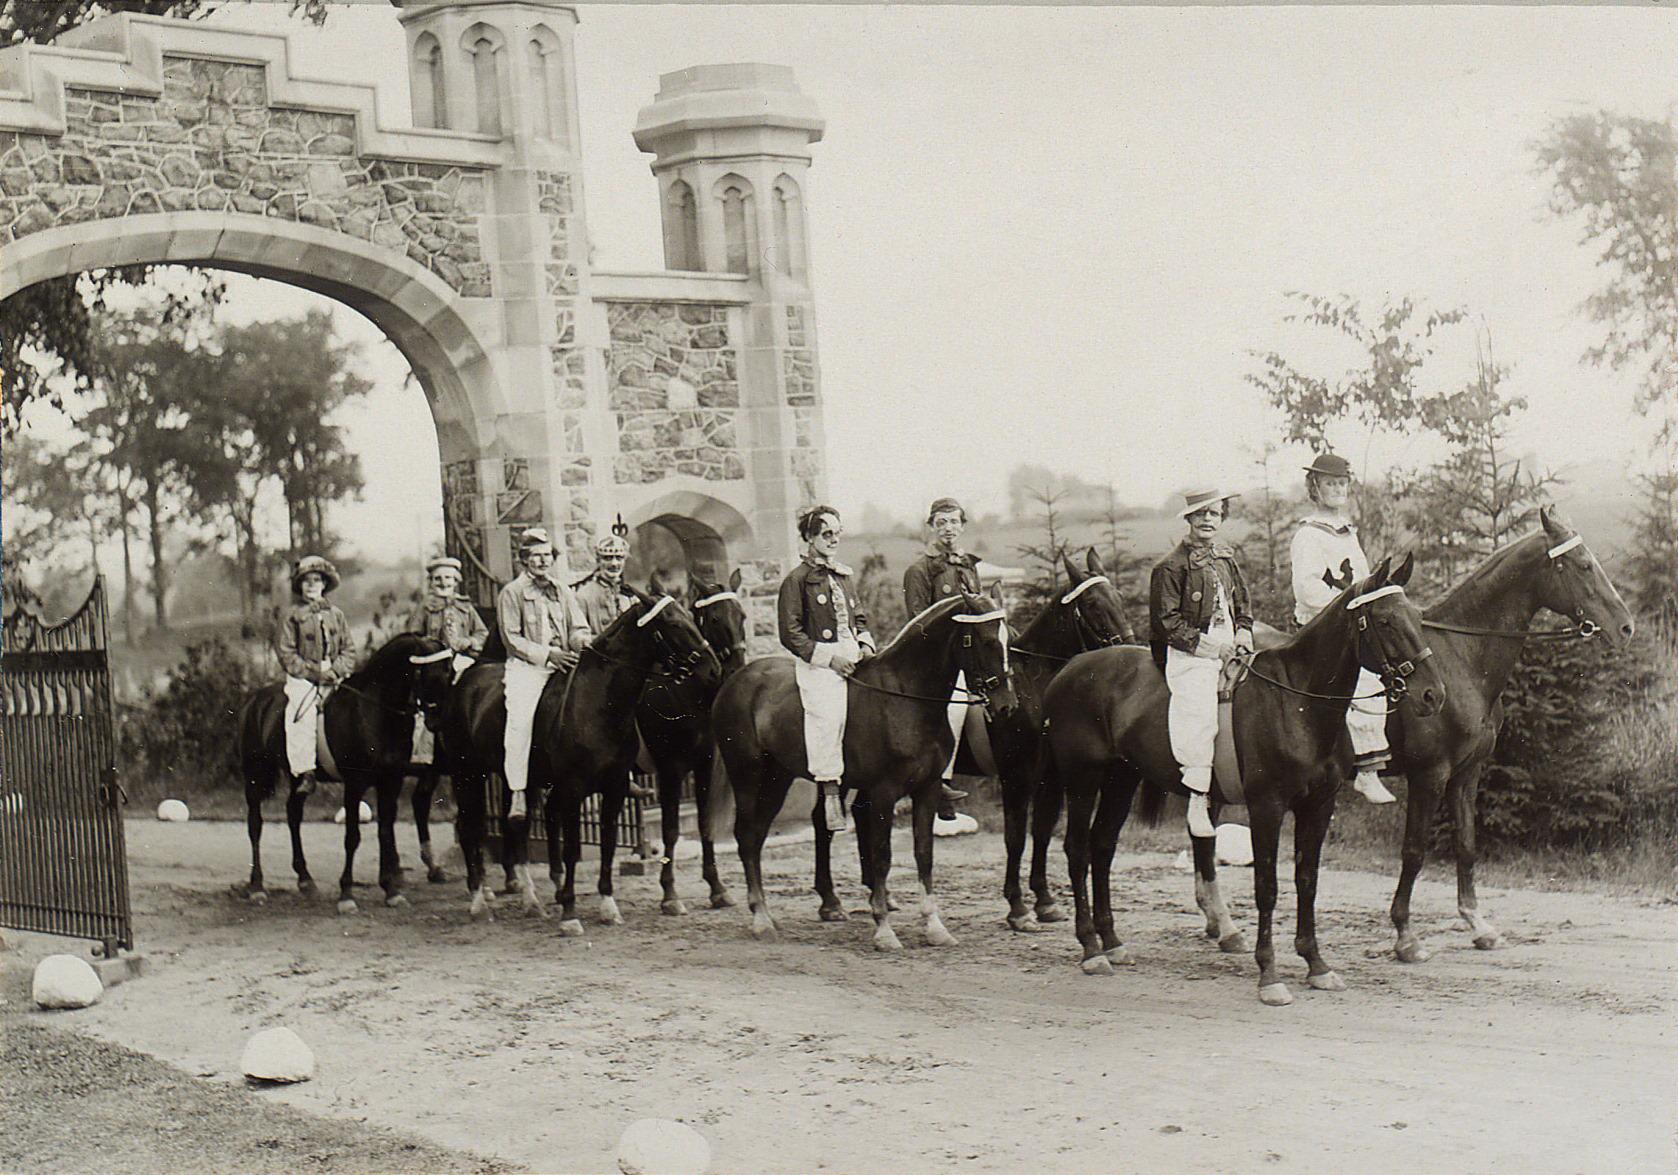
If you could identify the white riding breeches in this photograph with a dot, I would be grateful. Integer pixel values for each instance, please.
(1366, 719)
(522, 686)
(1192, 717)
(826, 702)
(958, 719)
(302, 717)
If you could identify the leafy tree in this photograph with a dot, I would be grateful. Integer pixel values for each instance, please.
(1617, 174)
(49, 509)
(881, 596)
(1271, 517)
(1128, 570)
(1043, 559)
(1652, 562)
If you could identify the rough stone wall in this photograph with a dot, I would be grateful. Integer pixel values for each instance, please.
(212, 142)
(554, 200)
(672, 380)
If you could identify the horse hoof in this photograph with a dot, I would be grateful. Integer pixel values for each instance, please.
(306, 886)
(1490, 941)
(435, 875)
(1050, 913)
(1327, 981)
(1120, 956)
(1412, 951)
(938, 935)
(891, 905)
(721, 900)
(885, 939)
(1024, 923)
(396, 901)
(609, 915)
(1233, 944)
(347, 906)
(257, 897)
(674, 907)
(1275, 995)
(833, 914)
(1096, 965)
(763, 929)
(571, 928)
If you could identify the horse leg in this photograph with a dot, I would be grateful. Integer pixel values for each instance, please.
(254, 892)
(389, 785)
(425, 789)
(879, 854)
(1110, 816)
(757, 797)
(354, 789)
(294, 824)
(611, 804)
(517, 858)
(831, 910)
(702, 768)
(1465, 790)
(553, 829)
(509, 865)
(1082, 793)
(469, 802)
(1045, 814)
(670, 824)
(1310, 827)
(1015, 802)
(1421, 802)
(862, 812)
(1208, 895)
(571, 813)
(1266, 818)
(937, 935)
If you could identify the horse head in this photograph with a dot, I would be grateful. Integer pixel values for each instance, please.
(675, 640)
(721, 619)
(981, 652)
(1093, 606)
(1574, 584)
(432, 672)
(1389, 638)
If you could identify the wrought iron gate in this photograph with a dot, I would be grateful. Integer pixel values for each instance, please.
(63, 863)
(632, 837)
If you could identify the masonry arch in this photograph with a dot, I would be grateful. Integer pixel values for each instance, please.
(686, 531)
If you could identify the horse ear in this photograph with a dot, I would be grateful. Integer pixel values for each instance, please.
(996, 594)
(1073, 578)
(1381, 573)
(638, 593)
(734, 581)
(1093, 562)
(1553, 526)
(1402, 575)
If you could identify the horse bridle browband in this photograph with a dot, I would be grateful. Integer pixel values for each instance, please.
(1584, 628)
(1394, 677)
(978, 694)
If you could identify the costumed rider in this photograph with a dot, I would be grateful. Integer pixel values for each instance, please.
(823, 626)
(544, 629)
(1327, 558)
(942, 571)
(316, 651)
(1198, 616)
(445, 615)
(601, 592)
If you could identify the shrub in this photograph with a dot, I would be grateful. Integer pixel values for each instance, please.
(184, 735)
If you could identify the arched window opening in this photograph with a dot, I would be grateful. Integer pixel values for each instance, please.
(432, 108)
(736, 196)
(484, 44)
(548, 87)
(681, 229)
(789, 227)
(539, 83)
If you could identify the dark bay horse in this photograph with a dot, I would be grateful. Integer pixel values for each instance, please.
(674, 717)
(1089, 615)
(585, 743)
(369, 720)
(1106, 735)
(897, 741)
(1477, 632)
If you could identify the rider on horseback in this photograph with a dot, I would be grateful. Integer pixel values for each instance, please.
(1199, 616)
(316, 651)
(446, 616)
(602, 593)
(1328, 558)
(544, 629)
(821, 624)
(942, 571)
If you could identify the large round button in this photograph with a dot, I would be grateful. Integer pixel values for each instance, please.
(946, 589)
(827, 634)
(1195, 596)
(821, 598)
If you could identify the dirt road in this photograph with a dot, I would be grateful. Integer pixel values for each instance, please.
(814, 1053)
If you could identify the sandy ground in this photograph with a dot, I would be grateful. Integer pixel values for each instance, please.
(1555, 1054)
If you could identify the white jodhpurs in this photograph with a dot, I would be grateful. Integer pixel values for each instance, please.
(1192, 717)
(826, 702)
(302, 723)
(1366, 720)
(522, 686)
(958, 719)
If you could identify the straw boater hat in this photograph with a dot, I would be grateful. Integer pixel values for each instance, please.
(1200, 499)
(1330, 465)
(440, 561)
(316, 565)
(614, 541)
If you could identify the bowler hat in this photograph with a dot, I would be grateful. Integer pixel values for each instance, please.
(1330, 465)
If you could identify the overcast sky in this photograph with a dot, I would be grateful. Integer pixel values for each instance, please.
(1054, 235)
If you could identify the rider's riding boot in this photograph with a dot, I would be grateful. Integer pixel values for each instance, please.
(305, 784)
(516, 810)
(952, 794)
(1199, 782)
(833, 805)
(1369, 786)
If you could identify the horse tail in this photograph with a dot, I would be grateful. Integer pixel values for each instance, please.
(1151, 803)
(719, 800)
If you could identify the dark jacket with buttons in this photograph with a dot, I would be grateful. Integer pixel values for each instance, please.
(936, 576)
(805, 610)
(1183, 594)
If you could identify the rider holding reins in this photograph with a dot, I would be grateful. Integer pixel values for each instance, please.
(317, 652)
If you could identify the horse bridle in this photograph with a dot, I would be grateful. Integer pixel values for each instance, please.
(1394, 676)
(717, 597)
(1584, 628)
(1088, 639)
(680, 667)
(978, 693)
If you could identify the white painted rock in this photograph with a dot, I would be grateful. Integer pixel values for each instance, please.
(1184, 862)
(658, 1146)
(173, 811)
(962, 825)
(277, 1054)
(366, 815)
(64, 981)
(1235, 844)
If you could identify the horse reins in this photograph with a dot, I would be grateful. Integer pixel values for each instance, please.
(1393, 677)
(1080, 625)
(1584, 629)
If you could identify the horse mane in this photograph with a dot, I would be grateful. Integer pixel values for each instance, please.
(397, 649)
(1471, 581)
(916, 625)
